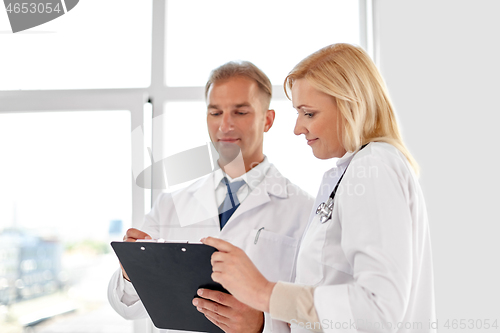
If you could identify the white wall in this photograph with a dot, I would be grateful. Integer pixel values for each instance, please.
(441, 60)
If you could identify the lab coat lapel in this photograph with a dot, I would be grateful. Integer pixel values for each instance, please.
(272, 184)
(199, 204)
(256, 198)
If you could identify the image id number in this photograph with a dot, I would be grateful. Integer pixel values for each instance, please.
(27, 8)
(477, 324)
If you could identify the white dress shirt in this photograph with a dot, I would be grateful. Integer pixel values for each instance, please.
(252, 179)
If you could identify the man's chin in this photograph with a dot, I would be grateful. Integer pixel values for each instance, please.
(227, 151)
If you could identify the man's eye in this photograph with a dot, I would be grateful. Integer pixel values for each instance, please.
(241, 113)
(214, 113)
(308, 114)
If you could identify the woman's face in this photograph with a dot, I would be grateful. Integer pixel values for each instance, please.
(317, 119)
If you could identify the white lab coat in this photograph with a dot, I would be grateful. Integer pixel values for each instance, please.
(371, 263)
(276, 205)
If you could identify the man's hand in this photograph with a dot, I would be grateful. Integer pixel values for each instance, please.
(133, 235)
(228, 313)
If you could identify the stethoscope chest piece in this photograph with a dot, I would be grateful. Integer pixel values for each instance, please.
(325, 210)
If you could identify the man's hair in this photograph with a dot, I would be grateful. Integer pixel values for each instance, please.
(242, 69)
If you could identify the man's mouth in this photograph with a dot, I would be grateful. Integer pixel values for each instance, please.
(228, 140)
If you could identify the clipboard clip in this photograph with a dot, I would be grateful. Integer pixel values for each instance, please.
(161, 240)
(155, 240)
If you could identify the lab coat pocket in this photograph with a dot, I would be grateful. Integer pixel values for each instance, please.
(310, 268)
(273, 254)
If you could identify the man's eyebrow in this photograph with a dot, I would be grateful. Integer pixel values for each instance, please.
(242, 105)
(237, 106)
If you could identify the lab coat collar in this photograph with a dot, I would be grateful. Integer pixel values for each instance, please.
(204, 196)
(340, 165)
(346, 159)
(204, 193)
(273, 184)
(252, 178)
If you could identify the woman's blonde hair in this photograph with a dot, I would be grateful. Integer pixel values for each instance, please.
(347, 73)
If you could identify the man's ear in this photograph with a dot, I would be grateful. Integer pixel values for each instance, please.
(270, 114)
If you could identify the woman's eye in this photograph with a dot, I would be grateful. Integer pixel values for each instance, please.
(308, 114)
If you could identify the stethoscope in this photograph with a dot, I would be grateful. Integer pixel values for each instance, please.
(325, 209)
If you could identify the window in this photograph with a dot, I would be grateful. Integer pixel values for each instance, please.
(65, 193)
(274, 35)
(94, 46)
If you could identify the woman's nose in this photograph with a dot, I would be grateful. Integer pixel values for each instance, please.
(299, 127)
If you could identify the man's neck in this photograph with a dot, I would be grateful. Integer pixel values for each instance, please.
(237, 167)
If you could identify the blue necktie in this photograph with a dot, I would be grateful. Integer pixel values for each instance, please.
(230, 202)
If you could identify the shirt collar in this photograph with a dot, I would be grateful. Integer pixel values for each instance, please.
(341, 163)
(346, 159)
(253, 177)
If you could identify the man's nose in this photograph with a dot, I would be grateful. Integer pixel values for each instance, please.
(226, 124)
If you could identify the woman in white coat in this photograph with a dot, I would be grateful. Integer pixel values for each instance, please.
(365, 264)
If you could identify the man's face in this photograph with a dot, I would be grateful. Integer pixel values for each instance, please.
(237, 119)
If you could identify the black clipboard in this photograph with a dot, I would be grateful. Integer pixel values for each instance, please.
(166, 277)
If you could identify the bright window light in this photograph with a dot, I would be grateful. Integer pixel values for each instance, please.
(98, 44)
(66, 193)
(274, 35)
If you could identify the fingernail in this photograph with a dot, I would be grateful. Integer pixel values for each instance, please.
(203, 239)
(147, 237)
(200, 292)
(199, 309)
(195, 302)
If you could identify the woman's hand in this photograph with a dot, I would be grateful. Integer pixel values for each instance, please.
(235, 271)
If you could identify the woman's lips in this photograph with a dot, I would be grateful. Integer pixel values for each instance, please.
(310, 142)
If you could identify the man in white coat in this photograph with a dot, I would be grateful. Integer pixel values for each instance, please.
(246, 202)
